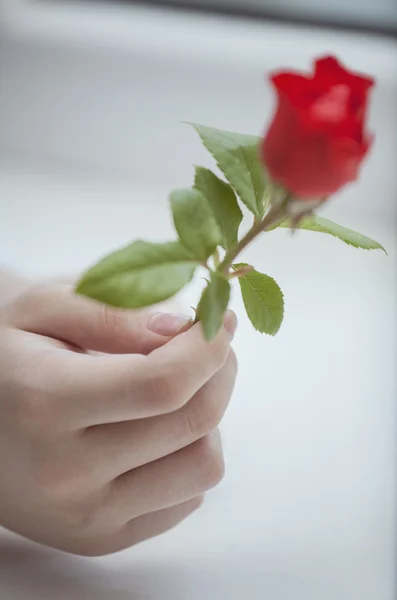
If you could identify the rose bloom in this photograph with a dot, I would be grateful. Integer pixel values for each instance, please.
(317, 139)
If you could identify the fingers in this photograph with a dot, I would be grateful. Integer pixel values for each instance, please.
(110, 389)
(153, 524)
(57, 312)
(116, 448)
(172, 480)
(137, 530)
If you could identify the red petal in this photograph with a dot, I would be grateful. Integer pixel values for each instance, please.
(296, 87)
(330, 69)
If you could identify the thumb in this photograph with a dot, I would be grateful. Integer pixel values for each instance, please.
(56, 311)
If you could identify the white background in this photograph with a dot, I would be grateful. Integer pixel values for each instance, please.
(90, 145)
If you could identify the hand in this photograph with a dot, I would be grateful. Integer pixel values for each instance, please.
(99, 452)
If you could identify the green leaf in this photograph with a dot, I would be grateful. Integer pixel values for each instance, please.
(139, 275)
(237, 157)
(349, 236)
(263, 301)
(223, 202)
(213, 304)
(195, 222)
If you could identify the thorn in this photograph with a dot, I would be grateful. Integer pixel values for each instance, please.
(241, 271)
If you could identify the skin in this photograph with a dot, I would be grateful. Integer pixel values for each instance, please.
(108, 419)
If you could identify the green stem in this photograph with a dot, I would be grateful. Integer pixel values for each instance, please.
(275, 214)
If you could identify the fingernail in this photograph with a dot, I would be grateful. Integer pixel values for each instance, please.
(167, 324)
(231, 323)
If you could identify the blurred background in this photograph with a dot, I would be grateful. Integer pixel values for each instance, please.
(92, 99)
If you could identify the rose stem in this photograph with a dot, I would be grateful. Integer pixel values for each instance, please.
(275, 214)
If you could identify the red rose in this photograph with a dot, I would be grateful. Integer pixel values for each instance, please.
(317, 139)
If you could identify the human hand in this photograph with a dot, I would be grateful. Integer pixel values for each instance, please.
(102, 451)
